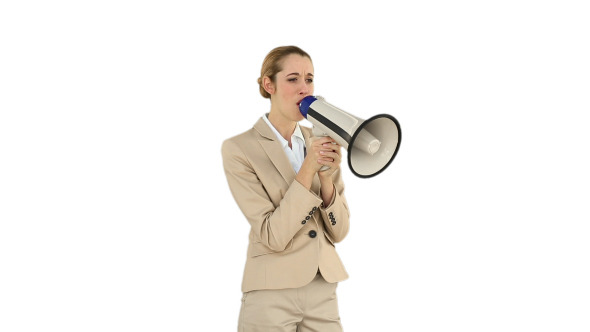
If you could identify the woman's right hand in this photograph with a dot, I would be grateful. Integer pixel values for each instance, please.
(313, 161)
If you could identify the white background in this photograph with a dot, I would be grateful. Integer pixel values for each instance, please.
(114, 209)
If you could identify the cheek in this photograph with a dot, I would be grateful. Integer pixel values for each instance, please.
(285, 91)
(289, 90)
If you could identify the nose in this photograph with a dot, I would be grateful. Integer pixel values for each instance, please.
(305, 89)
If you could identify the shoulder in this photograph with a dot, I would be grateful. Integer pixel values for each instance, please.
(238, 142)
(246, 142)
(305, 130)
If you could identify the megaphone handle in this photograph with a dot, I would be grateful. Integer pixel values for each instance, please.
(319, 133)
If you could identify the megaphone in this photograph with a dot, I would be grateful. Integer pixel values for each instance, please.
(371, 144)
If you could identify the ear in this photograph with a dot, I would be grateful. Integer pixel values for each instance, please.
(268, 85)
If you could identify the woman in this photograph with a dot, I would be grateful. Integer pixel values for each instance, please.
(296, 211)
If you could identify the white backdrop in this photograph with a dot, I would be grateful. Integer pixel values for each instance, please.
(116, 216)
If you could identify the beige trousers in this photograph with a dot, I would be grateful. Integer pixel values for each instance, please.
(311, 308)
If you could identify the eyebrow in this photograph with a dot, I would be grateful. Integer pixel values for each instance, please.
(297, 74)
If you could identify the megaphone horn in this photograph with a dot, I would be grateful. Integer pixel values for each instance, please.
(371, 144)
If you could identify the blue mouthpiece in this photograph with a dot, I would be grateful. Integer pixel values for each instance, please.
(304, 105)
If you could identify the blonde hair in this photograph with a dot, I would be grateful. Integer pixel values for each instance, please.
(272, 64)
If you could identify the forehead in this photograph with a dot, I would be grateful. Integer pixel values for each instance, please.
(295, 63)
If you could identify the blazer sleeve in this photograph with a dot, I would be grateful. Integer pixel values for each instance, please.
(273, 226)
(336, 215)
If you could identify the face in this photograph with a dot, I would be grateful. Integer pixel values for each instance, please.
(292, 84)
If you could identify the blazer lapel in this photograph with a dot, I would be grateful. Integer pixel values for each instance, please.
(275, 151)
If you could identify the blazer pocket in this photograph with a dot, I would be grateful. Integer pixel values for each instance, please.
(259, 249)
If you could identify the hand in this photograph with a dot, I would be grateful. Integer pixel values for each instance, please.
(324, 151)
(328, 154)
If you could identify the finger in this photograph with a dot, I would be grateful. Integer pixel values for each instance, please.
(327, 161)
(336, 148)
(332, 165)
(331, 157)
(331, 145)
(330, 154)
(326, 139)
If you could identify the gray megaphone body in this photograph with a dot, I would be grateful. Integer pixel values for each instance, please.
(371, 144)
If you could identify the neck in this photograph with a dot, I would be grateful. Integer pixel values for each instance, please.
(284, 126)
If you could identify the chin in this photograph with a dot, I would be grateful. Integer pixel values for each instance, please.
(299, 117)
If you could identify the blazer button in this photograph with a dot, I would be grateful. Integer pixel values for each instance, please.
(312, 234)
(304, 221)
(307, 217)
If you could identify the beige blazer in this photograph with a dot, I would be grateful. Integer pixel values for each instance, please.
(292, 234)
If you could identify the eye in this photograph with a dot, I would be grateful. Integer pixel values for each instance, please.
(309, 80)
(293, 79)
